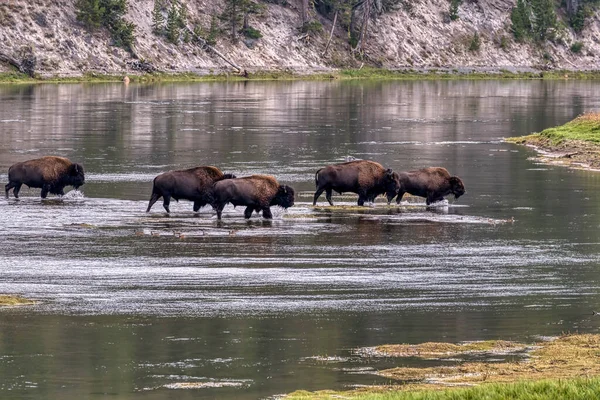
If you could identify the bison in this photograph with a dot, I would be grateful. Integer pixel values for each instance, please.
(256, 192)
(366, 178)
(432, 183)
(49, 173)
(192, 184)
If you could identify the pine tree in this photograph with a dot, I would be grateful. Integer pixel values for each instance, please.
(173, 24)
(521, 22)
(90, 13)
(544, 18)
(158, 20)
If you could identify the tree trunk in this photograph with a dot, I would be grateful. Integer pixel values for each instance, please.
(331, 33)
(208, 47)
(365, 25)
(304, 11)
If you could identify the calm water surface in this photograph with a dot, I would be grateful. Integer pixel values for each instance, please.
(137, 305)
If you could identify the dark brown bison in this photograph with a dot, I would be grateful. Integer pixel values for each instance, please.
(192, 184)
(256, 192)
(432, 183)
(49, 173)
(366, 178)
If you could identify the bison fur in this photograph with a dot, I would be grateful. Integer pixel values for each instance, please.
(49, 173)
(192, 184)
(256, 192)
(433, 183)
(366, 178)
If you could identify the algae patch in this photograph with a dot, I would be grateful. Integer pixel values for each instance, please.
(6, 300)
(443, 350)
(568, 356)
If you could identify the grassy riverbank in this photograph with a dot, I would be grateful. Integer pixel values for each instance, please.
(344, 74)
(576, 143)
(566, 367)
(6, 300)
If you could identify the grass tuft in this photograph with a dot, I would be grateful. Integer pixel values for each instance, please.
(6, 300)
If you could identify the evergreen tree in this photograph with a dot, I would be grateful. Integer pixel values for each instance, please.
(90, 13)
(521, 23)
(173, 24)
(158, 19)
(544, 18)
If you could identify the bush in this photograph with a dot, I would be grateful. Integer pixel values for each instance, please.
(475, 43)
(577, 47)
(312, 26)
(252, 33)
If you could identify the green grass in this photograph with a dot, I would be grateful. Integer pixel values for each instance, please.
(277, 75)
(584, 128)
(572, 389)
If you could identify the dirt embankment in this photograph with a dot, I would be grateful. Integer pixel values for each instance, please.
(420, 38)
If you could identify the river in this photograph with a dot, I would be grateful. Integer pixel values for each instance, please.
(144, 305)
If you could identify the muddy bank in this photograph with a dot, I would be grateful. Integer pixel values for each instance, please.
(568, 357)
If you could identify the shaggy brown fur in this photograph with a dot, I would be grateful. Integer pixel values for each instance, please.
(192, 184)
(366, 178)
(256, 192)
(432, 183)
(50, 173)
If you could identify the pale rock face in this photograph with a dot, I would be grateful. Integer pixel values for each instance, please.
(421, 38)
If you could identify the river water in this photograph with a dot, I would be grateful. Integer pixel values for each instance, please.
(145, 305)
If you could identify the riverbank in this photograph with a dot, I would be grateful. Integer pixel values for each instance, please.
(575, 144)
(283, 75)
(564, 367)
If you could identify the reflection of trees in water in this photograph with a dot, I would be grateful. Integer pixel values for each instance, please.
(231, 123)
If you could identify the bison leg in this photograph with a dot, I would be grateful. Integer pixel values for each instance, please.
(399, 198)
(267, 213)
(7, 187)
(248, 212)
(166, 202)
(362, 197)
(198, 205)
(317, 194)
(153, 199)
(328, 194)
(16, 191)
(45, 190)
(219, 208)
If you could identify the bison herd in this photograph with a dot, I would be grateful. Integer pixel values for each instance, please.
(209, 186)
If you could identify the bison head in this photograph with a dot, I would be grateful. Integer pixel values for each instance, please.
(391, 183)
(284, 197)
(457, 187)
(76, 175)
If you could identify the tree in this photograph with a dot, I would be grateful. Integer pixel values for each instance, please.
(520, 18)
(158, 19)
(90, 13)
(173, 24)
(236, 13)
(544, 18)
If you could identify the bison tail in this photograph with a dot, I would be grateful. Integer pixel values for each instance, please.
(317, 178)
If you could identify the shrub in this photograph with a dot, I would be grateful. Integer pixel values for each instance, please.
(577, 47)
(475, 44)
(252, 33)
(312, 26)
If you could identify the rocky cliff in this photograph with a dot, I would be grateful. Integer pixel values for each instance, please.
(420, 36)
